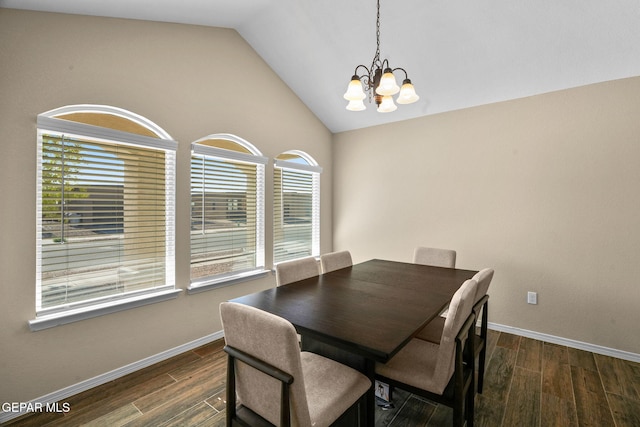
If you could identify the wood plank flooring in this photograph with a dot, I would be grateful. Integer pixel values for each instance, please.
(527, 383)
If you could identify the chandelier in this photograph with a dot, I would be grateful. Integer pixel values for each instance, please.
(379, 82)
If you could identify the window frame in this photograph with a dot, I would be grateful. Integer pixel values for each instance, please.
(49, 124)
(252, 157)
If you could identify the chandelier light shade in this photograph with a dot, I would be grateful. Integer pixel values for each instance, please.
(354, 105)
(388, 85)
(407, 93)
(379, 82)
(354, 90)
(387, 105)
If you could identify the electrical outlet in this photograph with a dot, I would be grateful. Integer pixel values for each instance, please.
(532, 298)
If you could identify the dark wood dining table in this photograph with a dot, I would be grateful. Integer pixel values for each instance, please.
(363, 314)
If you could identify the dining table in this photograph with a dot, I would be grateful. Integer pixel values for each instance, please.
(362, 314)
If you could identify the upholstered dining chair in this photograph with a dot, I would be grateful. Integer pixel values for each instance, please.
(335, 261)
(434, 256)
(440, 372)
(298, 269)
(277, 383)
(433, 331)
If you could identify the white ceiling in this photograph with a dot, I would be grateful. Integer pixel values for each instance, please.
(458, 53)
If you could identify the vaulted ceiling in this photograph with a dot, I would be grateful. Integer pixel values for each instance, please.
(458, 53)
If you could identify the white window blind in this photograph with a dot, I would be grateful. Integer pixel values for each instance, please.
(296, 214)
(227, 214)
(105, 218)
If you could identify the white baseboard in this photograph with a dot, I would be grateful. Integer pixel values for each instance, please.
(60, 395)
(606, 351)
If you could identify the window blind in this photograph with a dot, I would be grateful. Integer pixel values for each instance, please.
(105, 220)
(227, 214)
(296, 213)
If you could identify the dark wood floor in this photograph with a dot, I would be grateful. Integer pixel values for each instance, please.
(528, 383)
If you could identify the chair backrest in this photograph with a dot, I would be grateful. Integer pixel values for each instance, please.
(335, 261)
(483, 277)
(273, 340)
(298, 269)
(459, 311)
(434, 256)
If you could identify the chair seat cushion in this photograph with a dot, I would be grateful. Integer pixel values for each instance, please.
(415, 365)
(331, 387)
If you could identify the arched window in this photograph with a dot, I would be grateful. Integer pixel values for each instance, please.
(227, 211)
(105, 222)
(296, 206)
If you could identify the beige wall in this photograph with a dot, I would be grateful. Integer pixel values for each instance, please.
(546, 190)
(185, 79)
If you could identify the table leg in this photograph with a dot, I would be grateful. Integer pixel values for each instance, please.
(370, 404)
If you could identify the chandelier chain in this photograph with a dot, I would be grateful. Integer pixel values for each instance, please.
(376, 57)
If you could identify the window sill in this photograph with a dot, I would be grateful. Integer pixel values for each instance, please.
(62, 318)
(207, 285)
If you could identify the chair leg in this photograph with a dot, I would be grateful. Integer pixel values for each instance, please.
(470, 405)
(458, 409)
(481, 363)
(231, 391)
(458, 417)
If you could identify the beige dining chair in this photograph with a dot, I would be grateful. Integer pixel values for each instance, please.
(274, 381)
(298, 269)
(433, 331)
(335, 261)
(440, 372)
(434, 256)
